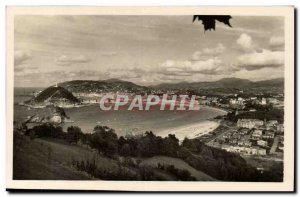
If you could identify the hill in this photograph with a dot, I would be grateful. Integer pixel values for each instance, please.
(273, 82)
(226, 85)
(53, 93)
(110, 85)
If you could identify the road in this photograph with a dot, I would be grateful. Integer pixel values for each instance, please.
(224, 124)
(275, 145)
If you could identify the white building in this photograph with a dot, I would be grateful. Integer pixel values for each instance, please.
(245, 150)
(263, 101)
(249, 123)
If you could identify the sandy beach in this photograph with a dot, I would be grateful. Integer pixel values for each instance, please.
(190, 131)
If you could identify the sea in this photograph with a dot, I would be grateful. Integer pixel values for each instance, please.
(126, 122)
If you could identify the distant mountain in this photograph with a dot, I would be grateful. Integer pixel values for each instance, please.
(222, 83)
(272, 82)
(110, 85)
(53, 93)
(226, 85)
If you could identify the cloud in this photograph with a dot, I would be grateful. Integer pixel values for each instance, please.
(261, 74)
(258, 60)
(245, 41)
(25, 69)
(67, 61)
(20, 57)
(219, 49)
(188, 68)
(208, 52)
(196, 55)
(86, 74)
(205, 61)
(126, 73)
(277, 42)
(21, 66)
(109, 54)
(42, 78)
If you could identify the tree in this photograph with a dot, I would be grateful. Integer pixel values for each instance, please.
(148, 145)
(74, 133)
(189, 144)
(170, 145)
(105, 140)
(125, 150)
(48, 130)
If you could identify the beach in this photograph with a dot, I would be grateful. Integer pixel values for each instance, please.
(191, 131)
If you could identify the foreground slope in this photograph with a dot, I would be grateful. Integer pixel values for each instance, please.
(52, 159)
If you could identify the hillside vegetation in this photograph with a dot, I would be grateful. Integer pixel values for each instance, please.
(104, 155)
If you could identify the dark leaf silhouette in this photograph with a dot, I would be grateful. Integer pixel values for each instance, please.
(209, 21)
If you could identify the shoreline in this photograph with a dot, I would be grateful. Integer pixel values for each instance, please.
(191, 131)
(194, 130)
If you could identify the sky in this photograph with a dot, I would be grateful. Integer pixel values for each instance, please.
(146, 50)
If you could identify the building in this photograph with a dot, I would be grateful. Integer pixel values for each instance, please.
(237, 103)
(261, 151)
(273, 101)
(233, 141)
(245, 143)
(249, 123)
(262, 143)
(271, 123)
(280, 127)
(257, 134)
(263, 101)
(56, 118)
(268, 135)
(244, 131)
(240, 100)
(232, 101)
(245, 150)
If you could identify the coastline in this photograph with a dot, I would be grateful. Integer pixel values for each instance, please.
(191, 131)
(194, 130)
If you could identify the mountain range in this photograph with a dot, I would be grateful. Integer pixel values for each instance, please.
(223, 83)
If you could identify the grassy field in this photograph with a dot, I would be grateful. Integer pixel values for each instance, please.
(178, 163)
(41, 159)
